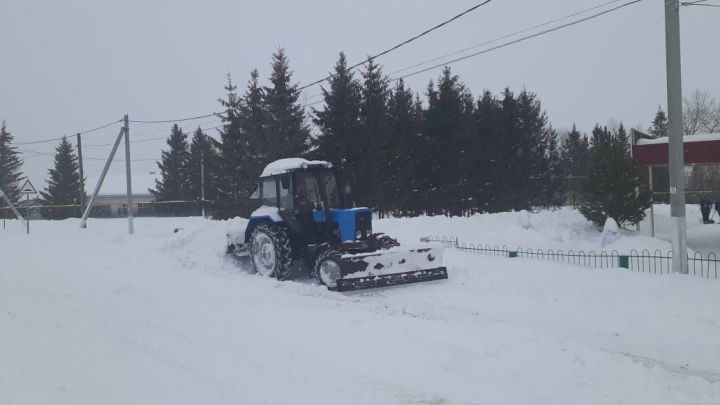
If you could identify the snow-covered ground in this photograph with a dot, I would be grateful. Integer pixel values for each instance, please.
(97, 316)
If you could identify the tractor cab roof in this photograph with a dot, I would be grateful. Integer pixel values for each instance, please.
(291, 164)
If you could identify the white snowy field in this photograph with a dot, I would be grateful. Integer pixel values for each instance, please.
(97, 316)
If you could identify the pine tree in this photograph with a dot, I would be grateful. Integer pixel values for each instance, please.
(64, 187)
(204, 152)
(10, 164)
(613, 189)
(659, 126)
(287, 133)
(174, 170)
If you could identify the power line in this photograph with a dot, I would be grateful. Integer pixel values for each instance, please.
(301, 88)
(703, 5)
(506, 44)
(101, 127)
(61, 137)
(401, 44)
(505, 36)
(143, 139)
(175, 120)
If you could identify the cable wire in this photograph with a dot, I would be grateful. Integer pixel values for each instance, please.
(301, 88)
(525, 38)
(175, 120)
(505, 36)
(401, 44)
(64, 136)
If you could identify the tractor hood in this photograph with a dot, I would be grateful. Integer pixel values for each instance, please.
(349, 220)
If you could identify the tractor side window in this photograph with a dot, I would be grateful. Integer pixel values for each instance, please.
(286, 197)
(269, 193)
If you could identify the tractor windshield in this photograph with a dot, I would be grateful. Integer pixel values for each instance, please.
(309, 194)
(331, 189)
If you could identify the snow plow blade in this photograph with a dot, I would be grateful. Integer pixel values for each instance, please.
(389, 267)
(387, 280)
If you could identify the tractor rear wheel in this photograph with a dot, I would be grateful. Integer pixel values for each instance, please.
(327, 268)
(270, 251)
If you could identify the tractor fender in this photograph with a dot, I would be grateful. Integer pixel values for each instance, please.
(261, 215)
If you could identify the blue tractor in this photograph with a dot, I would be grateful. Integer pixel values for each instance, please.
(304, 222)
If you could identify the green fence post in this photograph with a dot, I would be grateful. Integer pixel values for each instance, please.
(512, 254)
(624, 262)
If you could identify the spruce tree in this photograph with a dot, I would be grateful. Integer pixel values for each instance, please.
(10, 164)
(661, 174)
(400, 150)
(574, 152)
(204, 152)
(659, 126)
(231, 147)
(486, 165)
(371, 156)
(253, 153)
(613, 189)
(540, 183)
(64, 187)
(574, 156)
(174, 169)
(448, 127)
(339, 121)
(287, 132)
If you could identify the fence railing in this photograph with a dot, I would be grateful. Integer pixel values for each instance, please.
(642, 261)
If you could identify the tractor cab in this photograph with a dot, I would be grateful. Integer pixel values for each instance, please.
(311, 201)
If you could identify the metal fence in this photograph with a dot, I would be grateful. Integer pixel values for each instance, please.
(642, 261)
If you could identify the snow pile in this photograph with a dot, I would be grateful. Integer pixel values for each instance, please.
(97, 316)
(563, 229)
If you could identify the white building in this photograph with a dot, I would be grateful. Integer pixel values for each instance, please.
(112, 198)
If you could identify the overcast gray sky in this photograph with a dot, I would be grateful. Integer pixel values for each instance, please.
(71, 65)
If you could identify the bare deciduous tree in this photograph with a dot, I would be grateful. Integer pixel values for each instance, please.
(701, 113)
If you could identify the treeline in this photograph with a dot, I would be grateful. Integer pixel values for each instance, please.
(442, 152)
(445, 153)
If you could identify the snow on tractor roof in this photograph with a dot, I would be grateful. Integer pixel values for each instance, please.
(285, 165)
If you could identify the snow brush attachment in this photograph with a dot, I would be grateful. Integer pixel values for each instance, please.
(385, 268)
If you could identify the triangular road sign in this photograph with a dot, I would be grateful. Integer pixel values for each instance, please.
(28, 188)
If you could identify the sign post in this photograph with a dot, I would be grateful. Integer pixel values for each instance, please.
(28, 189)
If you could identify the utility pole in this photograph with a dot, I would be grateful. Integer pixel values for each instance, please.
(82, 176)
(202, 175)
(128, 175)
(675, 135)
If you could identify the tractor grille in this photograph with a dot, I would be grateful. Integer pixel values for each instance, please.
(363, 225)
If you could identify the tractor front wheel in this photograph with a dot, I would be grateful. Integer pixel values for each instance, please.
(327, 268)
(270, 251)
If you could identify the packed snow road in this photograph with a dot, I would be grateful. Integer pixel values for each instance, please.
(95, 316)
